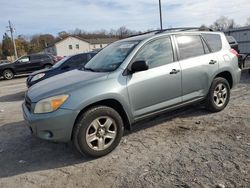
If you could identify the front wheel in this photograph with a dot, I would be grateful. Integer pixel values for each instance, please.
(219, 95)
(8, 74)
(98, 131)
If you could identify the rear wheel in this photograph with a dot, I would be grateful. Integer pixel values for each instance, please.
(8, 74)
(219, 95)
(98, 131)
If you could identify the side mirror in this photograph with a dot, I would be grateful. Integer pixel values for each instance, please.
(138, 66)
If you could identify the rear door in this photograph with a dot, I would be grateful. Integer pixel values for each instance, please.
(159, 86)
(38, 61)
(198, 65)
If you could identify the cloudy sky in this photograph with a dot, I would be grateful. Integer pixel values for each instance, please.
(52, 16)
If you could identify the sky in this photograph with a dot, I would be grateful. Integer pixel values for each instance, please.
(52, 16)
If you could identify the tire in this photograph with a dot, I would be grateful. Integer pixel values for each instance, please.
(219, 95)
(98, 131)
(8, 74)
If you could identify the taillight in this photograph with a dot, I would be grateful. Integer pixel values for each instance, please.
(235, 52)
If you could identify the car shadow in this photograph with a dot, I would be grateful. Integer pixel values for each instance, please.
(13, 97)
(20, 152)
(188, 111)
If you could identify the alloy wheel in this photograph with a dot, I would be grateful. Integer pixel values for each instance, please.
(101, 133)
(220, 95)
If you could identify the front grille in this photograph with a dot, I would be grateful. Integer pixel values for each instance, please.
(28, 103)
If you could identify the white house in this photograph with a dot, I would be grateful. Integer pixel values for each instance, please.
(74, 45)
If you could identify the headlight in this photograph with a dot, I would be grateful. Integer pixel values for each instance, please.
(50, 104)
(37, 77)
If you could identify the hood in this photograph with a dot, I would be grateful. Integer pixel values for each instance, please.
(41, 71)
(2, 64)
(63, 83)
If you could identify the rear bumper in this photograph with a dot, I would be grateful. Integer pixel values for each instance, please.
(55, 126)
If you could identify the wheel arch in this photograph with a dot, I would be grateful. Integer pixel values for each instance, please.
(226, 75)
(112, 103)
(9, 68)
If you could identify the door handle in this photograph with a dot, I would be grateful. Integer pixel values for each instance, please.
(212, 62)
(174, 71)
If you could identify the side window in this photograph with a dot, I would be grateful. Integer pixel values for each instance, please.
(189, 46)
(77, 60)
(24, 59)
(214, 41)
(207, 51)
(70, 47)
(156, 53)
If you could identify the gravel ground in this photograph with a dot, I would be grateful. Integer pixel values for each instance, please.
(185, 148)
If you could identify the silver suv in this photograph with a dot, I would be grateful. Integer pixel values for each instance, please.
(130, 80)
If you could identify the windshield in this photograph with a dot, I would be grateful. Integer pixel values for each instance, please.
(111, 57)
(59, 63)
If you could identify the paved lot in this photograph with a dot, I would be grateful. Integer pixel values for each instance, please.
(185, 148)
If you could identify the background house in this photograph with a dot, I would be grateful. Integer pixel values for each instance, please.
(242, 36)
(74, 45)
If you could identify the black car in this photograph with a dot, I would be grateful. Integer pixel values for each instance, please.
(4, 61)
(26, 64)
(66, 64)
(235, 45)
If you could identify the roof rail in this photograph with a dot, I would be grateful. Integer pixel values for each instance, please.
(158, 31)
(144, 33)
(185, 29)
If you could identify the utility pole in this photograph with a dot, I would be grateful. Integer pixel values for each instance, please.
(11, 30)
(160, 13)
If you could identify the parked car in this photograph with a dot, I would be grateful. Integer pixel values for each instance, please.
(58, 58)
(235, 45)
(66, 64)
(26, 64)
(131, 80)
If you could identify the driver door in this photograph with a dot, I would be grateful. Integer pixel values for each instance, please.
(22, 65)
(159, 86)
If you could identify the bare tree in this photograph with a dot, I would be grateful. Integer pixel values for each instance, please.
(248, 22)
(223, 23)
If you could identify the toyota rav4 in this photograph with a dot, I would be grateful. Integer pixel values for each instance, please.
(130, 80)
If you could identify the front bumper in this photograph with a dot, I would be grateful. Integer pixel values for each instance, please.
(55, 126)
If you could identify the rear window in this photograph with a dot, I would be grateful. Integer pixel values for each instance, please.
(214, 41)
(190, 46)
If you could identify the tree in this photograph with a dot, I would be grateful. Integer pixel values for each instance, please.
(7, 46)
(63, 34)
(248, 22)
(223, 24)
(39, 42)
(22, 45)
(1, 52)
